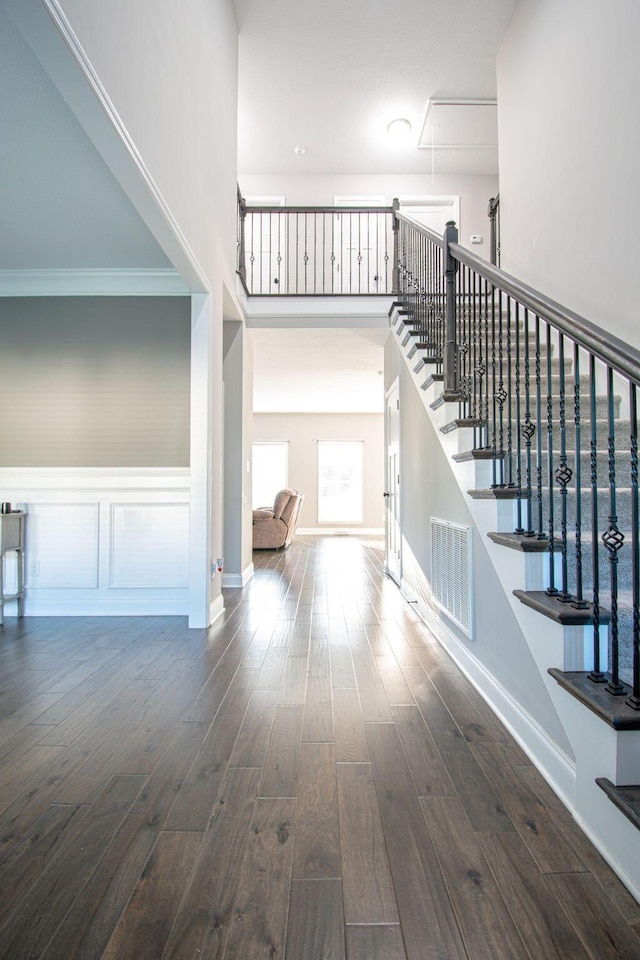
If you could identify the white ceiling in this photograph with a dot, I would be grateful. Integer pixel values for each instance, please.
(330, 75)
(323, 371)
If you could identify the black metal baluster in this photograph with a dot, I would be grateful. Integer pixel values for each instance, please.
(252, 258)
(315, 252)
(634, 698)
(551, 589)
(540, 532)
(528, 429)
(297, 290)
(324, 252)
(518, 483)
(509, 402)
(475, 412)
(350, 256)
(579, 601)
(613, 538)
(463, 347)
(563, 475)
(485, 373)
(596, 675)
(494, 402)
(501, 394)
(306, 251)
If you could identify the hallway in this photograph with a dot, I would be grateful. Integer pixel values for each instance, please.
(310, 778)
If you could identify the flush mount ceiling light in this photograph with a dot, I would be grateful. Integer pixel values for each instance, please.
(299, 151)
(398, 130)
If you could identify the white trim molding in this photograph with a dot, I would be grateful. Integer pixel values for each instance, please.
(92, 283)
(340, 531)
(235, 580)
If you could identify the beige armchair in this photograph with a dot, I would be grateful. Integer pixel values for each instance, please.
(274, 528)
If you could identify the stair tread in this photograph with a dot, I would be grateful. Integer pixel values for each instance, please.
(613, 710)
(626, 798)
(523, 543)
(555, 609)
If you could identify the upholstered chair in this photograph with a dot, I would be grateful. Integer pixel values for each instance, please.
(274, 528)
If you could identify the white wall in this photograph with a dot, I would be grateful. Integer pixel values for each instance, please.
(568, 88)
(302, 430)
(170, 71)
(429, 489)
(238, 432)
(317, 190)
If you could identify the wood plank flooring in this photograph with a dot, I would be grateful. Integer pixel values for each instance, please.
(310, 779)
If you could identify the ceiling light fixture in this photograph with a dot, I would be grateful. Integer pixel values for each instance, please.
(299, 151)
(399, 129)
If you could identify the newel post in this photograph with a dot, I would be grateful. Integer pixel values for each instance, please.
(395, 272)
(450, 391)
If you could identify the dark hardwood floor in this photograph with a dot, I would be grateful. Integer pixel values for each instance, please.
(311, 778)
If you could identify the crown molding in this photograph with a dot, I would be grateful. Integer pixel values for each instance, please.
(92, 283)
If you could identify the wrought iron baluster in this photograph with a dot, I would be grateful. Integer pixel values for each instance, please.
(579, 601)
(634, 698)
(613, 539)
(540, 533)
(509, 406)
(596, 675)
(551, 589)
(519, 527)
(563, 475)
(297, 216)
(528, 429)
(501, 394)
(494, 402)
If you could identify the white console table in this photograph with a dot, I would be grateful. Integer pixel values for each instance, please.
(12, 539)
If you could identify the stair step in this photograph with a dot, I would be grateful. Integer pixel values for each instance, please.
(494, 493)
(459, 423)
(554, 609)
(475, 455)
(425, 362)
(432, 379)
(519, 541)
(626, 799)
(613, 710)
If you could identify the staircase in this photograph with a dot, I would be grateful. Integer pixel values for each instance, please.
(539, 420)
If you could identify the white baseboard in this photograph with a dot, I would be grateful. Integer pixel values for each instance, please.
(340, 531)
(232, 580)
(554, 764)
(216, 609)
(139, 606)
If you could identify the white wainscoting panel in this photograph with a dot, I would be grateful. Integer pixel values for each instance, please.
(65, 539)
(102, 541)
(149, 545)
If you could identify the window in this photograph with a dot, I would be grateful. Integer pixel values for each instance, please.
(340, 481)
(270, 471)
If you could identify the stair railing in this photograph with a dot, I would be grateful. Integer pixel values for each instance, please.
(316, 251)
(552, 400)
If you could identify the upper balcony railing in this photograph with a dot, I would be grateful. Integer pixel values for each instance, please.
(316, 251)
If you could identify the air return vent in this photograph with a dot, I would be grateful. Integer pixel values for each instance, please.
(451, 571)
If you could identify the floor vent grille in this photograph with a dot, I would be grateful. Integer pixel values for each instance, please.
(451, 571)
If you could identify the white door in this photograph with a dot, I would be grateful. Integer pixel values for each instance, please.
(432, 212)
(392, 493)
